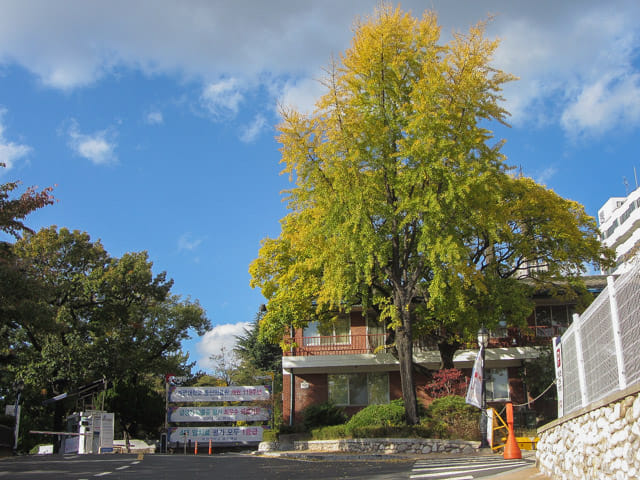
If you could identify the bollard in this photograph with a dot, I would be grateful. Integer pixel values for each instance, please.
(511, 448)
(195, 452)
(209, 446)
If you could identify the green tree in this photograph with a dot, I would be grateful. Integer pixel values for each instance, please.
(14, 210)
(256, 353)
(402, 199)
(15, 290)
(96, 315)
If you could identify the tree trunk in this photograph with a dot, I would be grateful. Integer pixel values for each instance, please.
(404, 343)
(447, 349)
(127, 443)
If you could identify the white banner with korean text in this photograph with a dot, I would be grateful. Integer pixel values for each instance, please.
(557, 360)
(474, 392)
(218, 414)
(215, 434)
(219, 394)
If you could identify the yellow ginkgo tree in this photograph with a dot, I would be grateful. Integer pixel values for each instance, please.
(402, 201)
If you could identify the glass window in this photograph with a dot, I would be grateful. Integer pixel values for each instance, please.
(359, 388)
(336, 332)
(311, 334)
(560, 318)
(378, 384)
(497, 385)
(543, 321)
(339, 389)
(342, 329)
(376, 332)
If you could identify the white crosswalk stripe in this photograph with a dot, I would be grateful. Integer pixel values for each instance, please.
(463, 468)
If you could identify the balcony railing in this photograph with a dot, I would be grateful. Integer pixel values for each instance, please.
(334, 345)
(349, 344)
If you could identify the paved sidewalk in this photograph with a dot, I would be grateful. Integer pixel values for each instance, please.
(524, 473)
(527, 473)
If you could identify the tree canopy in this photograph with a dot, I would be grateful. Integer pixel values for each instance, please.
(402, 200)
(82, 315)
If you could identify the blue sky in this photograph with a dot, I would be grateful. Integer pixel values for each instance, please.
(156, 119)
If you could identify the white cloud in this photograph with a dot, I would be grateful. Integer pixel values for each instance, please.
(575, 69)
(251, 131)
(222, 98)
(301, 95)
(221, 336)
(187, 242)
(96, 147)
(558, 49)
(546, 175)
(154, 118)
(10, 152)
(611, 102)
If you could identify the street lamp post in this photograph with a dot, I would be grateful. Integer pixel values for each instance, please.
(18, 387)
(483, 342)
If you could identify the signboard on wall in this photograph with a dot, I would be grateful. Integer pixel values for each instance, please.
(106, 432)
(557, 361)
(215, 434)
(218, 394)
(218, 414)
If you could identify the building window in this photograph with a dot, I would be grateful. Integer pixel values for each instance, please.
(552, 320)
(376, 333)
(336, 332)
(359, 388)
(497, 386)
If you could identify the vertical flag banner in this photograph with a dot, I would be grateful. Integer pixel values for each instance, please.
(557, 357)
(474, 392)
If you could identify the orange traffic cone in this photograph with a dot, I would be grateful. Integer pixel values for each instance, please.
(196, 450)
(511, 448)
(209, 446)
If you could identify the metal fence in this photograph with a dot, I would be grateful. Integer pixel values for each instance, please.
(601, 349)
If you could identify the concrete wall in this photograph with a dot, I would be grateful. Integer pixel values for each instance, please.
(600, 442)
(378, 445)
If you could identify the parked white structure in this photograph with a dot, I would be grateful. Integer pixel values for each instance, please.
(619, 220)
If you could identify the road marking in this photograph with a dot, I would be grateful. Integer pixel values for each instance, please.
(461, 468)
(123, 467)
(102, 474)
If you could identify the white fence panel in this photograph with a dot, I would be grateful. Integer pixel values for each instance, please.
(590, 349)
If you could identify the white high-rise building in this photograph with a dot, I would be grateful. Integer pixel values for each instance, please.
(619, 220)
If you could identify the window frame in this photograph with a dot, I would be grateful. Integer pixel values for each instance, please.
(490, 385)
(331, 393)
(317, 339)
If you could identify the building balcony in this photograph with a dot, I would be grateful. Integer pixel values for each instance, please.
(358, 344)
(334, 345)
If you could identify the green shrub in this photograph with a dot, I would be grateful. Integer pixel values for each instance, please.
(453, 418)
(269, 435)
(379, 415)
(391, 431)
(332, 432)
(337, 432)
(322, 415)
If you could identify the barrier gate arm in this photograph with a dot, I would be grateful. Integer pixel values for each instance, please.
(501, 424)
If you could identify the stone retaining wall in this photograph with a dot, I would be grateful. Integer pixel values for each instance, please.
(379, 445)
(601, 442)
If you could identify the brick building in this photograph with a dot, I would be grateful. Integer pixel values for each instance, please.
(347, 365)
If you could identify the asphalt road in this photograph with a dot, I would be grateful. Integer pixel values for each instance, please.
(177, 467)
(234, 466)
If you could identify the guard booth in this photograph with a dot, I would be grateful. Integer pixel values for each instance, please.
(92, 432)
